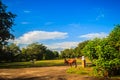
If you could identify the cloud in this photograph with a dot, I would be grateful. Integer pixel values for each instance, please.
(75, 25)
(94, 35)
(24, 22)
(62, 45)
(48, 23)
(26, 11)
(100, 16)
(36, 36)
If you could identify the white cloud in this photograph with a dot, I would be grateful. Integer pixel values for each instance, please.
(27, 11)
(75, 25)
(94, 35)
(24, 22)
(48, 23)
(36, 36)
(62, 45)
(100, 16)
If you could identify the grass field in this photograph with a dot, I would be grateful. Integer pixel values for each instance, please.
(41, 63)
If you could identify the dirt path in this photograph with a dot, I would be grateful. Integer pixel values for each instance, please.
(41, 73)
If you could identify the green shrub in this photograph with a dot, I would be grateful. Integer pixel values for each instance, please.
(79, 70)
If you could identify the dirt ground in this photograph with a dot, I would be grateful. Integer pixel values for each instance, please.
(41, 73)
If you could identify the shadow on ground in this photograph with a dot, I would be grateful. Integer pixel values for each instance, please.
(55, 78)
(36, 78)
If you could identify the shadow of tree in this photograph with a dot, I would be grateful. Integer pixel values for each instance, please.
(47, 77)
(54, 78)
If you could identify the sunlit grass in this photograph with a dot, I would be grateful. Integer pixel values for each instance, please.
(40, 63)
(80, 70)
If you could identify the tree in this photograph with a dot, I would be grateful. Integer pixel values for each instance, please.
(49, 54)
(6, 23)
(90, 50)
(67, 53)
(108, 58)
(114, 37)
(105, 53)
(14, 50)
(78, 49)
(56, 54)
(74, 52)
(10, 53)
(36, 51)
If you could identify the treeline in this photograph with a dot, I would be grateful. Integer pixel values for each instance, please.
(12, 53)
(74, 52)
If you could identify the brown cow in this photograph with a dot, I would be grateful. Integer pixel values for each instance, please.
(70, 62)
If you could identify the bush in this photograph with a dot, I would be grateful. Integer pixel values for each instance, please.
(105, 53)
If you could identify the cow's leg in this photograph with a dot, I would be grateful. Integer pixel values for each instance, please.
(75, 64)
(70, 64)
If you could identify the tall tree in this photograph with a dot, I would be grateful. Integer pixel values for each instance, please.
(67, 53)
(105, 53)
(90, 50)
(10, 53)
(36, 50)
(78, 49)
(114, 37)
(6, 23)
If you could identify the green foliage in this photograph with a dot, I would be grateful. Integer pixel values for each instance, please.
(74, 52)
(90, 50)
(69, 53)
(39, 52)
(105, 53)
(12, 53)
(36, 51)
(114, 37)
(78, 49)
(6, 23)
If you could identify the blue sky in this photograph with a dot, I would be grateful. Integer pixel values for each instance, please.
(60, 24)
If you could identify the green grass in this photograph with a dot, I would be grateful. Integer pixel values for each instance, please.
(88, 71)
(41, 63)
(80, 70)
